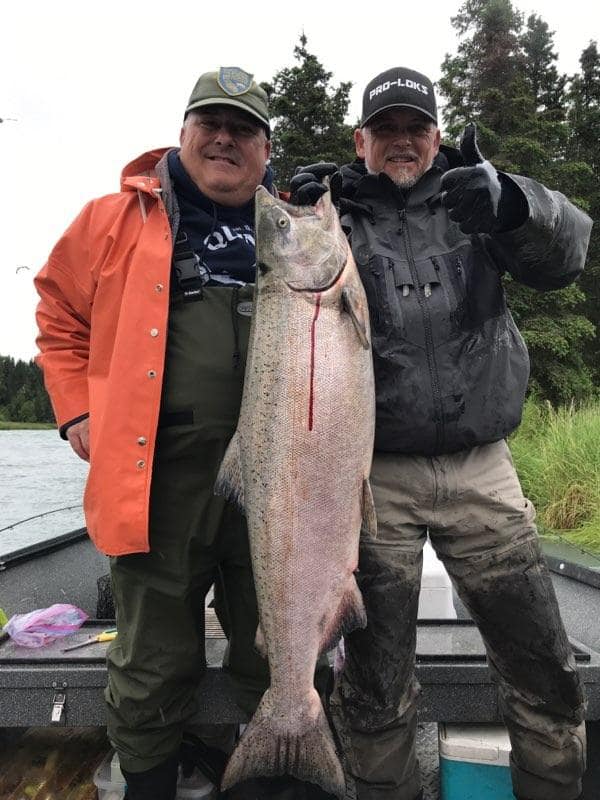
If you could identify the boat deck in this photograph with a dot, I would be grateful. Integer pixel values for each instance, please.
(48, 687)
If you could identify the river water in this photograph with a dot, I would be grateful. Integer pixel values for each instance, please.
(39, 473)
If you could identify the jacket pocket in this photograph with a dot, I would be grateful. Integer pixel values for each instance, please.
(476, 285)
(376, 272)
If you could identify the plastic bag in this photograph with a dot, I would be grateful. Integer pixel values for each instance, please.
(44, 625)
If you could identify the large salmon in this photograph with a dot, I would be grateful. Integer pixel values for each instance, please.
(299, 465)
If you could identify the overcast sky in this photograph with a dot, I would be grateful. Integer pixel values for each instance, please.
(94, 85)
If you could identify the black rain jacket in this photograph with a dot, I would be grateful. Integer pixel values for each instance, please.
(451, 367)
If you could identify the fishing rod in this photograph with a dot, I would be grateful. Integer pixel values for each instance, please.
(39, 516)
(559, 536)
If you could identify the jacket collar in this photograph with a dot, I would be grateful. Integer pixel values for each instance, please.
(363, 189)
(140, 174)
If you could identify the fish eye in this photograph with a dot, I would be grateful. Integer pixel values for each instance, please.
(282, 222)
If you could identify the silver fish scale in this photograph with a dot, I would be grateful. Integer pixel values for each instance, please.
(303, 449)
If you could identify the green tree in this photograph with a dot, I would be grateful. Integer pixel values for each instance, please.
(485, 81)
(584, 120)
(555, 335)
(7, 365)
(504, 78)
(548, 96)
(308, 116)
(23, 397)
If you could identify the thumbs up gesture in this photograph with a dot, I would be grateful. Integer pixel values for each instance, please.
(473, 193)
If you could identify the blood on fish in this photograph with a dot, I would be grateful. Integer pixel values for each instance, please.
(313, 337)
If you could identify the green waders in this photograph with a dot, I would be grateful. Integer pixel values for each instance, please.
(195, 539)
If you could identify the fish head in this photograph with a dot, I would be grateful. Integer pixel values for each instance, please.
(303, 246)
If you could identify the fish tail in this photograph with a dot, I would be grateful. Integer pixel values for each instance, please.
(268, 749)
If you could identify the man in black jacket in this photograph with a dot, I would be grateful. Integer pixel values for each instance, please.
(433, 230)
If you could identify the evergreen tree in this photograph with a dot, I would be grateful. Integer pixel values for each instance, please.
(308, 116)
(485, 81)
(546, 128)
(7, 365)
(504, 78)
(23, 397)
(584, 144)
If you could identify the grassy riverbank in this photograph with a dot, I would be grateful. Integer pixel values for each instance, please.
(557, 455)
(25, 426)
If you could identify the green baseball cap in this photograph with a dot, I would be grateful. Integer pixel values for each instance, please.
(231, 86)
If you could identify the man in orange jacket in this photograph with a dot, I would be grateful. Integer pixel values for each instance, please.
(144, 320)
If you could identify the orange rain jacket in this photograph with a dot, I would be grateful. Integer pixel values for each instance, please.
(103, 328)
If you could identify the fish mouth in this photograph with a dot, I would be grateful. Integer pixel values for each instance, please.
(296, 286)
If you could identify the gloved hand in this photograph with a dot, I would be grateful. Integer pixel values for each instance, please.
(307, 184)
(478, 198)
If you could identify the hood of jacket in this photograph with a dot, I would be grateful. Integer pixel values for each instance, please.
(141, 174)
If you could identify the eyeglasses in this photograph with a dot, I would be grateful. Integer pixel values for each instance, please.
(414, 130)
(236, 128)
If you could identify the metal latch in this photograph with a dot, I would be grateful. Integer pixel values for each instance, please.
(58, 707)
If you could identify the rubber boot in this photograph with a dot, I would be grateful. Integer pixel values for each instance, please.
(195, 754)
(158, 783)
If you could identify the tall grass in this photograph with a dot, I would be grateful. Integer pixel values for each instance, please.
(25, 426)
(557, 456)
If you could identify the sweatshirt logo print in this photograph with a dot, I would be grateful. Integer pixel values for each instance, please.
(224, 236)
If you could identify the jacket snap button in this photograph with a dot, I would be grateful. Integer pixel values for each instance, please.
(159, 287)
(141, 464)
(142, 440)
(153, 331)
(151, 373)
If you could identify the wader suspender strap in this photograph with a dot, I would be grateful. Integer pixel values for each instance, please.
(185, 268)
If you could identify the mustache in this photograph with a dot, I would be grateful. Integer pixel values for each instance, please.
(402, 154)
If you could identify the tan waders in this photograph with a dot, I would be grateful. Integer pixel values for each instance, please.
(482, 528)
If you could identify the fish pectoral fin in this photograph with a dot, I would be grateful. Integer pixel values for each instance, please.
(271, 745)
(260, 643)
(349, 616)
(229, 483)
(369, 517)
(357, 315)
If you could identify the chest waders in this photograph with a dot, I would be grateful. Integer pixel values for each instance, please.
(195, 539)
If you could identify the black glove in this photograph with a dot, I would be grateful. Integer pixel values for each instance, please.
(480, 199)
(306, 187)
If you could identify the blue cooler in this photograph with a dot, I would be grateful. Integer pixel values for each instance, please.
(474, 762)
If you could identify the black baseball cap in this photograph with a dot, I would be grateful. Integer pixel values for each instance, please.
(399, 87)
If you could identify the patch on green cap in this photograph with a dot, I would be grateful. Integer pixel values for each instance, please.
(231, 86)
(234, 80)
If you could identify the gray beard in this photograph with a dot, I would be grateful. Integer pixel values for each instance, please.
(404, 181)
(407, 181)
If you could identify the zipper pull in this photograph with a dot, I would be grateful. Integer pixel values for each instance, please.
(402, 217)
